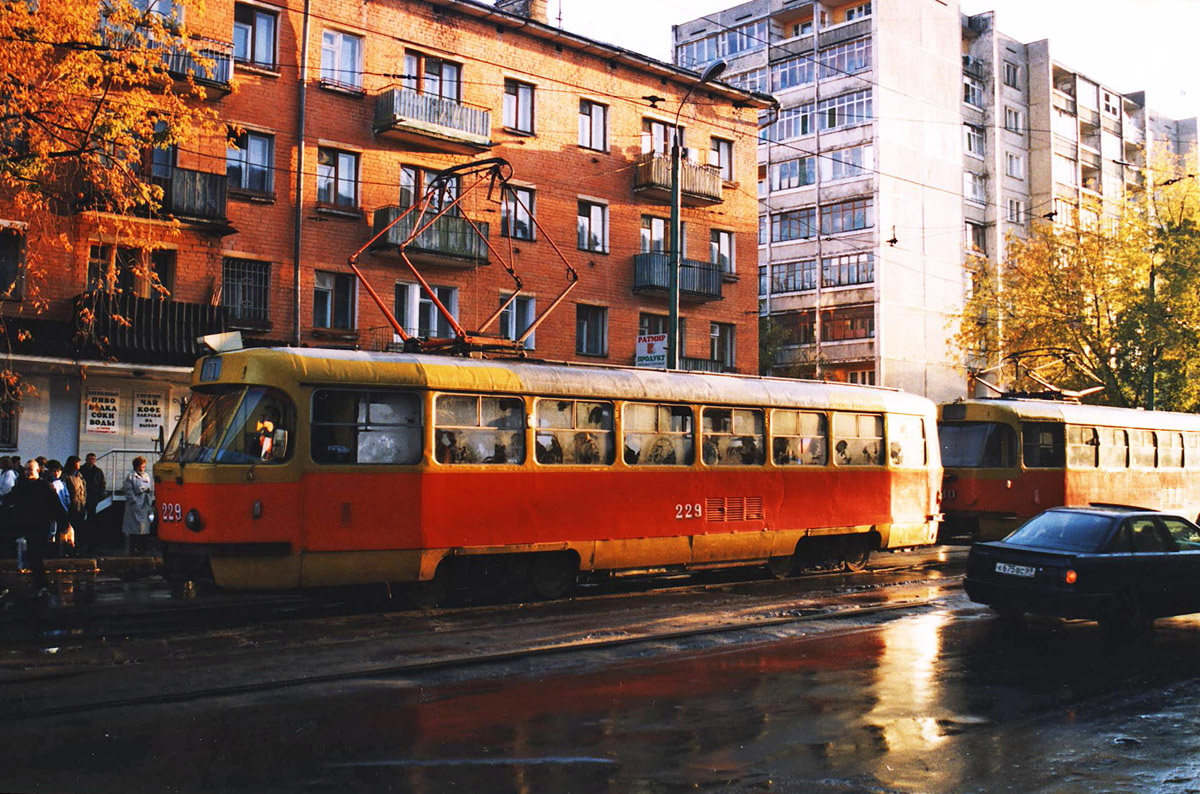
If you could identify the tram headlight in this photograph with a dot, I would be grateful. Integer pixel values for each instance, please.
(193, 521)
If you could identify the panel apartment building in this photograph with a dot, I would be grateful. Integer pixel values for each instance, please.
(334, 137)
(920, 125)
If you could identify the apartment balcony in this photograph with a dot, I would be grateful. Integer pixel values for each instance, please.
(973, 67)
(690, 364)
(1063, 101)
(432, 123)
(700, 185)
(196, 197)
(448, 242)
(1089, 117)
(698, 281)
(155, 329)
(210, 64)
(845, 32)
(1110, 124)
(788, 48)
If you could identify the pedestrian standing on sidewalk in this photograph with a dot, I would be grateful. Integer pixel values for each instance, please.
(53, 474)
(76, 500)
(8, 477)
(32, 508)
(97, 492)
(139, 507)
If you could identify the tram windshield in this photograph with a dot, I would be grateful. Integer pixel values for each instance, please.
(237, 425)
(977, 445)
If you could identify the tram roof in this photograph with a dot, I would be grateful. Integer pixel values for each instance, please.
(1076, 414)
(351, 367)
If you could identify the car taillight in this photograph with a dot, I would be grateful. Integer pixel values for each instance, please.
(1071, 576)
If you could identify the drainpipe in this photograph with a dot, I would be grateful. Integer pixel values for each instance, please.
(299, 219)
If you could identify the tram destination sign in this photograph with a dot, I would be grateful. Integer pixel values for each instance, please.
(652, 351)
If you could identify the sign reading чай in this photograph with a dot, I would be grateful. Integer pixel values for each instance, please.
(148, 412)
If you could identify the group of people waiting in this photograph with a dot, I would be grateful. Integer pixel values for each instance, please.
(47, 506)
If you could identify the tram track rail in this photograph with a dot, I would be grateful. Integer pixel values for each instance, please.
(569, 639)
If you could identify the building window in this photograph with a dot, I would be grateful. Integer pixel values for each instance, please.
(721, 158)
(792, 123)
(1014, 165)
(333, 300)
(1111, 105)
(847, 163)
(1016, 211)
(794, 276)
(337, 178)
(721, 344)
(799, 327)
(1012, 75)
(846, 110)
(858, 12)
(432, 76)
(793, 225)
(849, 58)
(974, 188)
(254, 35)
(656, 137)
(341, 59)
(1013, 121)
(656, 235)
(591, 330)
(593, 125)
(764, 281)
(862, 377)
(792, 72)
(847, 216)
(143, 274)
(721, 250)
(976, 238)
(593, 226)
(848, 269)
(762, 230)
(517, 318)
(972, 91)
(975, 141)
(652, 324)
(516, 214)
(518, 106)
(413, 179)
(855, 322)
(245, 285)
(431, 323)
(793, 173)
(250, 165)
(753, 80)
(12, 248)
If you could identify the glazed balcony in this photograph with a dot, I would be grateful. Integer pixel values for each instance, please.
(448, 242)
(431, 122)
(700, 185)
(698, 281)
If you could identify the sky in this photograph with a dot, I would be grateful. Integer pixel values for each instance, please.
(1130, 45)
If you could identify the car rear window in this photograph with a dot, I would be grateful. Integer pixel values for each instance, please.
(1063, 531)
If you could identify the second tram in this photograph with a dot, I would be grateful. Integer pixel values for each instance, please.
(1007, 460)
(297, 467)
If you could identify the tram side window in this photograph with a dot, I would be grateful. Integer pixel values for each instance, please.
(1083, 447)
(1191, 450)
(734, 437)
(366, 426)
(659, 435)
(1114, 448)
(1141, 449)
(479, 429)
(906, 440)
(977, 445)
(575, 432)
(1042, 444)
(800, 438)
(1170, 450)
(857, 439)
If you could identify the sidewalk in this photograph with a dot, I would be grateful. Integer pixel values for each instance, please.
(106, 564)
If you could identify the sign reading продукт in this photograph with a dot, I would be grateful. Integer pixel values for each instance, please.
(652, 351)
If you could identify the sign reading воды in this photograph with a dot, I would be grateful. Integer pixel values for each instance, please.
(103, 411)
(652, 351)
(148, 413)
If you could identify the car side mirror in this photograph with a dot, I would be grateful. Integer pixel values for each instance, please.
(279, 444)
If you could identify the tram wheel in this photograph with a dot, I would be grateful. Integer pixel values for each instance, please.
(432, 592)
(782, 567)
(855, 553)
(553, 575)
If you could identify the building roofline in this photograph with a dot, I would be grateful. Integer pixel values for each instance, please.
(610, 52)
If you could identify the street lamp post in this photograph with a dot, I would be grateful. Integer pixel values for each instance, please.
(713, 71)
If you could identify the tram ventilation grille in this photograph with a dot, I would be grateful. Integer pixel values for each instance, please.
(734, 508)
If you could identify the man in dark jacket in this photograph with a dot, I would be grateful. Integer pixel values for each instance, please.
(97, 491)
(72, 477)
(32, 507)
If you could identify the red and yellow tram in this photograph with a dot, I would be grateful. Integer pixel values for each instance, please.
(1009, 459)
(306, 467)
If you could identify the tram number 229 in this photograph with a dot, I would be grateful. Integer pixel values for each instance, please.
(170, 512)
(683, 512)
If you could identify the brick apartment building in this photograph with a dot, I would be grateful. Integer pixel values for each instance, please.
(384, 95)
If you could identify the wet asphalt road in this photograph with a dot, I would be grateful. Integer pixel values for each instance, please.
(937, 698)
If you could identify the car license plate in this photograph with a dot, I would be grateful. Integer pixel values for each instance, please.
(1015, 570)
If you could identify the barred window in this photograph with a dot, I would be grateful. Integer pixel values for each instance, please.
(478, 429)
(659, 435)
(793, 225)
(847, 163)
(575, 432)
(792, 72)
(847, 58)
(794, 276)
(245, 286)
(793, 173)
(846, 110)
(846, 216)
(801, 438)
(847, 269)
(733, 437)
